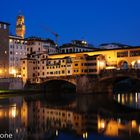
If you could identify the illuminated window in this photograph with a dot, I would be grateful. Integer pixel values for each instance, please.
(5, 26)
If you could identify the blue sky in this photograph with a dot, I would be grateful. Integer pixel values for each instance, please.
(97, 21)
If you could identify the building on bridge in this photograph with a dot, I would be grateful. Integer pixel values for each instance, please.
(118, 58)
(76, 64)
(36, 71)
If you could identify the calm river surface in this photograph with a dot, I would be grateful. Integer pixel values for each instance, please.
(71, 117)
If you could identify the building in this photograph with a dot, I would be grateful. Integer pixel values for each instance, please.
(4, 49)
(77, 64)
(17, 50)
(37, 46)
(12, 48)
(113, 46)
(76, 46)
(36, 70)
(20, 26)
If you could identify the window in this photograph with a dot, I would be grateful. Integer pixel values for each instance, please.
(92, 70)
(63, 71)
(122, 54)
(5, 26)
(76, 64)
(90, 64)
(85, 70)
(91, 58)
(135, 53)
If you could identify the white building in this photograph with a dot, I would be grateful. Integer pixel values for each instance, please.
(17, 51)
(76, 46)
(36, 45)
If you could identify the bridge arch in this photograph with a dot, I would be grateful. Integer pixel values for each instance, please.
(71, 80)
(59, 85)
(107, 81)
(123, 64)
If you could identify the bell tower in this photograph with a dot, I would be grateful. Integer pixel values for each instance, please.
(20, 26)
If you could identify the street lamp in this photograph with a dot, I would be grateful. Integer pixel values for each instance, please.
(14, 72)
(0, 71)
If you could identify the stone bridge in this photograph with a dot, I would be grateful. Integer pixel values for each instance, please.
(104, 82)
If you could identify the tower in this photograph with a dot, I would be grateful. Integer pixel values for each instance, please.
(20, 26)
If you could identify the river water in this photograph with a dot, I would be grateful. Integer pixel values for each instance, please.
(71, 116)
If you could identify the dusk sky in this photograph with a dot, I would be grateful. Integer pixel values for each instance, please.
(97, 21)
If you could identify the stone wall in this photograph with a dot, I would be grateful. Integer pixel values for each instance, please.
(11, 83)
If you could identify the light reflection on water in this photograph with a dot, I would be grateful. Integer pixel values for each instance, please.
(129, 99)
(81, 117)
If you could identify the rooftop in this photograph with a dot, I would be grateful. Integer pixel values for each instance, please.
(34, 38)
(15, 37)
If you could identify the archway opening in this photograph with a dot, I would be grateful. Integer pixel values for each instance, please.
(59, 86)
(123, 64)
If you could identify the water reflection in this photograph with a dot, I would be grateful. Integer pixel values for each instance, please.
(83, 117)
(129, 99)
